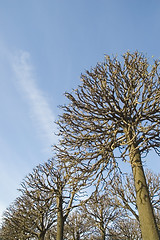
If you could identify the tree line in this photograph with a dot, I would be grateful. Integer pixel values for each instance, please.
(112, 116)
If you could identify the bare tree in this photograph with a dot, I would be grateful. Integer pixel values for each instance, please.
(11, 227)
(112, 116)
(101, 212)
(29, 218)
(126, 229)
(78, 227)
(54, 180)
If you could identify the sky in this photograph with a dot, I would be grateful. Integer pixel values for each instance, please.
(44, 48)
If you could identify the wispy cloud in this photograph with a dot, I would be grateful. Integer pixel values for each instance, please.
(40, 109)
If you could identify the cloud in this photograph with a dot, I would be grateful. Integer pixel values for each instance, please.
(40, 109)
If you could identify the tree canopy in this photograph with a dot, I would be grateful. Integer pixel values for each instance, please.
(114, 115)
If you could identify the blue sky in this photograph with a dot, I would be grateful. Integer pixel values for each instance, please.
(44, 47)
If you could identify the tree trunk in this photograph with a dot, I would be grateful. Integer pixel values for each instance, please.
(146, 216)
(60, 221)
(42, 235)
(103, 233)
(77, 235)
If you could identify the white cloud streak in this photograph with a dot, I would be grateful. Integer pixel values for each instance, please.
(40, 109)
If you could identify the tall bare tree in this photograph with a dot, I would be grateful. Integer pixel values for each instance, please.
(116, 108)
(54, 180)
